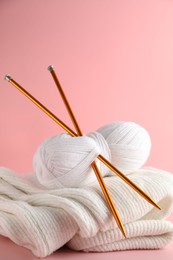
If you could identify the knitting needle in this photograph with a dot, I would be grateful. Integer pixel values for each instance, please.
(72, 133)
(100, 157)
(66, 128)
(108, 198)
(40, 105)
(94, 165)
(128, 181)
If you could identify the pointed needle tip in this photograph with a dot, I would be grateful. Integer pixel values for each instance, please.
(50, 68)
(7, 77)
(158, 207)
(125, 236)
(124, 233)
(122, 229)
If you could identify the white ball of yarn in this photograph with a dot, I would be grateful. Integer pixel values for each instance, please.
(64, 161)
(129, 143)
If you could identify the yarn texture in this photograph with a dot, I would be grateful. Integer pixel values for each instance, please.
(64, 161)
(44, 220)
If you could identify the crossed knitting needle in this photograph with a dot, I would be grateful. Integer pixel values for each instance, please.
(79, 133)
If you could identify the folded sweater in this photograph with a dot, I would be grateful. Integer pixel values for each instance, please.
(43, 220)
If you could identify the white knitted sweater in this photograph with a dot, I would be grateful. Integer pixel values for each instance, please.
(44, 220)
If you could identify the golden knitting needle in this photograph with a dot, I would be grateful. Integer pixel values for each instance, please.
(40, 105)
(93, 165)
(100, 157)
(66, 128)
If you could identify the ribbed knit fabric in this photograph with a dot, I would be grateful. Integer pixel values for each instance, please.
(44, 220)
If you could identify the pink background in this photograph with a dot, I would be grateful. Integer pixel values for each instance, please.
(114, 59)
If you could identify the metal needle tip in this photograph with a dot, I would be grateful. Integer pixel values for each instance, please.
(157, 206)
(50, 68)
(124, 233)
(7, 77)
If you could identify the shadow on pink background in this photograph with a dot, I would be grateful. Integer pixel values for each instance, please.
(114, 59)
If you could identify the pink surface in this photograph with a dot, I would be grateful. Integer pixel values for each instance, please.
(114, 59)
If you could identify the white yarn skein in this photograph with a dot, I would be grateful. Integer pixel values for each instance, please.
(130, 145)
(64, 161)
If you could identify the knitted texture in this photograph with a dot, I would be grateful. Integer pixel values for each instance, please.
(44, 220)
(64, 161)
